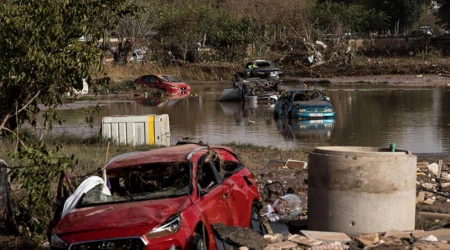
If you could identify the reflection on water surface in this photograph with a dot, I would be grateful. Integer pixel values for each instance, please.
(415, 119)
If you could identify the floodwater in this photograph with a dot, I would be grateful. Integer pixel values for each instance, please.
(416, 119)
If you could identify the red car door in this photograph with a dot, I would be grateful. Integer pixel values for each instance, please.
(238, 193)
(211, 201)
(237, 200)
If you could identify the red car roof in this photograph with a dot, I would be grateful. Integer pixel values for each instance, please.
(170, 154)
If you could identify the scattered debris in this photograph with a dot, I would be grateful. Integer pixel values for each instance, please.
(305, 241)
(273, 238)
(263, 69)
(328, 237)
(330, 246)
(368, 239)
(434, 168)
(287, 207)
(431, 186)
(252, 90)
(282, 245)
(238, 237)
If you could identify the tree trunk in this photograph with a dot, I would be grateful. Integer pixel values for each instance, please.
(5, 199)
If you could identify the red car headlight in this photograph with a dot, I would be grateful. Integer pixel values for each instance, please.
(170, 226)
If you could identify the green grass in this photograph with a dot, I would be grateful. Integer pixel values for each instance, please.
(92, 152)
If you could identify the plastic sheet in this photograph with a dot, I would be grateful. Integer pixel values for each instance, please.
(287, 207)
(84, 187)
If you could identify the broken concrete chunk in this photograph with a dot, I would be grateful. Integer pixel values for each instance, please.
(302, 240)
(429, 201)
(428, 186)
(281, 245)
(326, 236)
(434, 168)
(445, 176)
(240, 236)
(422, 165)
(430, 238)
(331, 246)
(396, 244)
(273, 238)
(368, 239)
(420, 197)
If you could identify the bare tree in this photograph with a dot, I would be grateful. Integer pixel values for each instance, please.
(139, 28)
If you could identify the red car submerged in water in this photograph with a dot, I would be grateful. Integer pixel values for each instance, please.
(166, 198)
(168, 83)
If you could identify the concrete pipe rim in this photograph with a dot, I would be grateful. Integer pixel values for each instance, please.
(339, 150)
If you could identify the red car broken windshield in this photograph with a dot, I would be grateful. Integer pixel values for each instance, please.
(143, 182)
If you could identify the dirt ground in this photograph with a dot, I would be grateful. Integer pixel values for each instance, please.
(428, 80)
(295, 180)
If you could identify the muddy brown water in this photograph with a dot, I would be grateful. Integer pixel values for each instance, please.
(416, 119)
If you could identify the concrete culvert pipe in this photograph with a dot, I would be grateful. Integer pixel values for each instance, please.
(359, 190)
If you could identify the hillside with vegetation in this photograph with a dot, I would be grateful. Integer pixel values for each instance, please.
(231, 31)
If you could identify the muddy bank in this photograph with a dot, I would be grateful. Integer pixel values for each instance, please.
(293, 68)
(388, 81)
(429, 80)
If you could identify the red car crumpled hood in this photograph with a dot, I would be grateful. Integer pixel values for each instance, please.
(139, 214)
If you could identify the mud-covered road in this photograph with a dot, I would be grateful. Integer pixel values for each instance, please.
(428, 80)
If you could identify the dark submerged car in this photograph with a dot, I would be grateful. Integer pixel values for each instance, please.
(263, 69)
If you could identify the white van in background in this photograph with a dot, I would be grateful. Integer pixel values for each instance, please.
(83, 91)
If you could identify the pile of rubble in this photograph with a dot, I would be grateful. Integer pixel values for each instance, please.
(290, 179)
(315, 240)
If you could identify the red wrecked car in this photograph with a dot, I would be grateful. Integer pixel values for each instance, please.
(166, 198)
(168, 83)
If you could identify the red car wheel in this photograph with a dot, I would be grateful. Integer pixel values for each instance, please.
(199, 243)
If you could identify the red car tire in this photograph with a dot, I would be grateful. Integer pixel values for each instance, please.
(254, 215)
(199, 242)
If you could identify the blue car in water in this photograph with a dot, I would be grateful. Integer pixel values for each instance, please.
(304, 104)
(293, 129)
